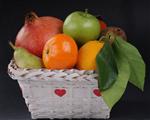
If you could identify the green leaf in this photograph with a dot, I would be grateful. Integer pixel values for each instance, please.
(106, 67)
(137, 65)
(112, 95)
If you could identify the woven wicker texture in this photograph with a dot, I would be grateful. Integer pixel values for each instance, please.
(60, 93)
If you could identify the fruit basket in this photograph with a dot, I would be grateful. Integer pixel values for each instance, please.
(66, 73)
(53, 94)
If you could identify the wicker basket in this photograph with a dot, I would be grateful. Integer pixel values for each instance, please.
(60, 93)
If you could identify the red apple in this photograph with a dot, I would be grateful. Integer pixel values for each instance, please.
(103, 25)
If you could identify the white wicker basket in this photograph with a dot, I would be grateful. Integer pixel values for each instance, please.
(60, 93)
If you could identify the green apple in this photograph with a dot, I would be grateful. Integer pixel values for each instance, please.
(82, 26)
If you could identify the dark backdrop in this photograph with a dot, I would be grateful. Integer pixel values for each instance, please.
(133, 16)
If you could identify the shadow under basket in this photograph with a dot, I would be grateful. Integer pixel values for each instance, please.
(60, 94)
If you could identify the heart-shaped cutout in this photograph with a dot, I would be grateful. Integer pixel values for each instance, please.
(60, 92)
(97, 92)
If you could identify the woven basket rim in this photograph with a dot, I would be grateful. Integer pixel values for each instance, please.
(17, 68)
(69, 74)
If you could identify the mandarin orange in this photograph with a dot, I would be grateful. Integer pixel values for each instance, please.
(60, 52)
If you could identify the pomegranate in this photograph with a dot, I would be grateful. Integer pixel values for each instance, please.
(36, 31)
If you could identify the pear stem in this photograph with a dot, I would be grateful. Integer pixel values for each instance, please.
(10, 43)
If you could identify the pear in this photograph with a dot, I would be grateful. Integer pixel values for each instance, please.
(24, 59)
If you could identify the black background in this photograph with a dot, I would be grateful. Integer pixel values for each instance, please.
(131, 15)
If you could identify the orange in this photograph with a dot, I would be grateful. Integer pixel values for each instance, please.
(60, 52)
(87, 55)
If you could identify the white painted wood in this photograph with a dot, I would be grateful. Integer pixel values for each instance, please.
(39, 87)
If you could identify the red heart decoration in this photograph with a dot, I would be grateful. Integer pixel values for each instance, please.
(60, 92)
(97, 92)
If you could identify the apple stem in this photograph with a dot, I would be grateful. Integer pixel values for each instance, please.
(86, 10)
